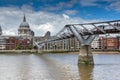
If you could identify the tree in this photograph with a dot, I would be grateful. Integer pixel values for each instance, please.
(18, 46)
(29, 46)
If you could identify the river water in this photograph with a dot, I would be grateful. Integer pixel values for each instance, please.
(58, 67)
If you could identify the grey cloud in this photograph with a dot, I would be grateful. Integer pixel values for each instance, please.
(70, 12)
(115, 5)
(59, 6)
(88, 2)
(27, 8)
(39, 22)
(111, 4)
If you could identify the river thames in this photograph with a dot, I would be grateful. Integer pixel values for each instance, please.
(58, 67)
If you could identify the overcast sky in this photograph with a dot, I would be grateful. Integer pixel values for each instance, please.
(53, 15)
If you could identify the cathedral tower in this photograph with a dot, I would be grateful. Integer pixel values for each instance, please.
(24, 29)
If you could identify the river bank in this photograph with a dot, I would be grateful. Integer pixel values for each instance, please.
(106, 51)
(60, 51)
(18, 51)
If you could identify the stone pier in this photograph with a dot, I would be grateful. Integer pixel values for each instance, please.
(85, 55)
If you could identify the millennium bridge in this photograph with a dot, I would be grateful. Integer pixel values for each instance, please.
(85, 34)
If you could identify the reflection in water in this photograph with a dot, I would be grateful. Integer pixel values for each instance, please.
(58, 67)
(24, 68)
(85, 72)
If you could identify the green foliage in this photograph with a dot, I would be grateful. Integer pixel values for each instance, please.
(30, 46)
(86, 62)
(18, 46)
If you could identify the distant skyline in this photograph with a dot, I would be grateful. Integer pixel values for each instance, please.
(52, 15)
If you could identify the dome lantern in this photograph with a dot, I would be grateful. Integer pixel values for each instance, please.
(24, 18)
(24, 23)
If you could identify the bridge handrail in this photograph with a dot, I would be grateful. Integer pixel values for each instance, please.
(96, 22)
(97, 28)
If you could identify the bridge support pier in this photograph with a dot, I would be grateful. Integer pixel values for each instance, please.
(39, 51)
(85, 55)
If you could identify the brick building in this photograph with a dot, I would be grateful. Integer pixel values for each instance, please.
(119, 42)
(11, 43)
(15, 42)
(110, 43)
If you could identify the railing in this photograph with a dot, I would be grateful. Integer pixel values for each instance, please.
(86, 29)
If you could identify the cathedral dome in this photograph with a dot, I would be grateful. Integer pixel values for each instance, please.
(24, 23)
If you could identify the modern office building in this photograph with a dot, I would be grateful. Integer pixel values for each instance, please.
(96, 43)
(2, 42)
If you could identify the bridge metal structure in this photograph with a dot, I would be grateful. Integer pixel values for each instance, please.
(85, 34)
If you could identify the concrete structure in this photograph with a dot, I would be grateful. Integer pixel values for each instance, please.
(24, 30)
(85, 55)
(96, 43)
(42, 38)
(85, 34)
(71, 44)
(2, 43)
(74, 44)
(2, 40)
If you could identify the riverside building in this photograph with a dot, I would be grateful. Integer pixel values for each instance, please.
(96, 43)
(2, 40)
(111, 43)
(24, 40)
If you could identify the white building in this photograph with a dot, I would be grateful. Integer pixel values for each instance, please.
(2, 42)
(24, 30)
(96, 43)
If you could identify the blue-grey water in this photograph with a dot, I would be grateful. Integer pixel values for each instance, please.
(58, 67)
